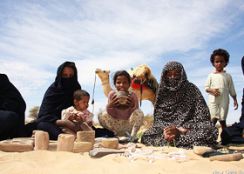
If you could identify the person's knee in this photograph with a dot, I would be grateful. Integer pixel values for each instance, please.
(137, 116)
(45, 126)
(9, 124)
(64, 123)
(100, 116)
(52, 129)
(9, 120)
(41, 126)
(104, 118)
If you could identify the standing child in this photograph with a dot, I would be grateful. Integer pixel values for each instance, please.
(219, 86)
(122, 115)
(77, 117)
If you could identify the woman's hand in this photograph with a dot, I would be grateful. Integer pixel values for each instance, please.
(170, 133)
(168, 137)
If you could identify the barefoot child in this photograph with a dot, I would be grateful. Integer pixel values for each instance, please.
(122, 115)
(219, 86)
(77, 118)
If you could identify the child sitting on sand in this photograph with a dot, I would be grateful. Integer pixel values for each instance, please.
(77, 118)
(122, 115)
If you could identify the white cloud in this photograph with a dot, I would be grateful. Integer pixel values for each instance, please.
(99, 28)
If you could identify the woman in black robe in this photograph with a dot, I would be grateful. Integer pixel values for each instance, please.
(58, 96)
(12, 110)
(181, 114)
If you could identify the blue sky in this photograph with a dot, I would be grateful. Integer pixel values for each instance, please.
(36, 36)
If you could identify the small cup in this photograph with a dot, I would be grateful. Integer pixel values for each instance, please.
(122, 95)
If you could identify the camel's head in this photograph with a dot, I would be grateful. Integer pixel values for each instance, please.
(143, 75)
(102, 74)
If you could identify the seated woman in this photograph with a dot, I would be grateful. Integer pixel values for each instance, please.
(122, 115)
(181, 114)
(58, 96)
(12, 110)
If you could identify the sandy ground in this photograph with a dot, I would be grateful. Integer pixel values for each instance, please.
(165, 160)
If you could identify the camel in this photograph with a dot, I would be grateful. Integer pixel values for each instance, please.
(143, 83)
(104, 77)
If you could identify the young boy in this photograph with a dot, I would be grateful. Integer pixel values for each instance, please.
(219, 86)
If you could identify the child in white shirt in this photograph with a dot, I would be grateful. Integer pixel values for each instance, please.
(219, 86)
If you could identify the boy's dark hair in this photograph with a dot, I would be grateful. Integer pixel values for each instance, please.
(121, 73)
(220, 52)
(78, 94)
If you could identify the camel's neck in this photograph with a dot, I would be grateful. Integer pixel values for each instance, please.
(145, 94)
(106, 86)
(105, 82)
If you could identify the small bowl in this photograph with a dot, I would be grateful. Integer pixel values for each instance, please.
(122, 95)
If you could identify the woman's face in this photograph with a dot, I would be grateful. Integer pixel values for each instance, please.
(122, 83)
(68, 72)
(173, 78)
(173, 74)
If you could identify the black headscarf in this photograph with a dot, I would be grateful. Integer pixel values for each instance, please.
(59, 95)
(11, 99)
(181, 105)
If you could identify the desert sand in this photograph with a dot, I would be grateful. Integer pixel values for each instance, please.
(169, 160)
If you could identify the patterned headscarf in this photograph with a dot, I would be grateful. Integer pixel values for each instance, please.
(179, 81)
(172, 101)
